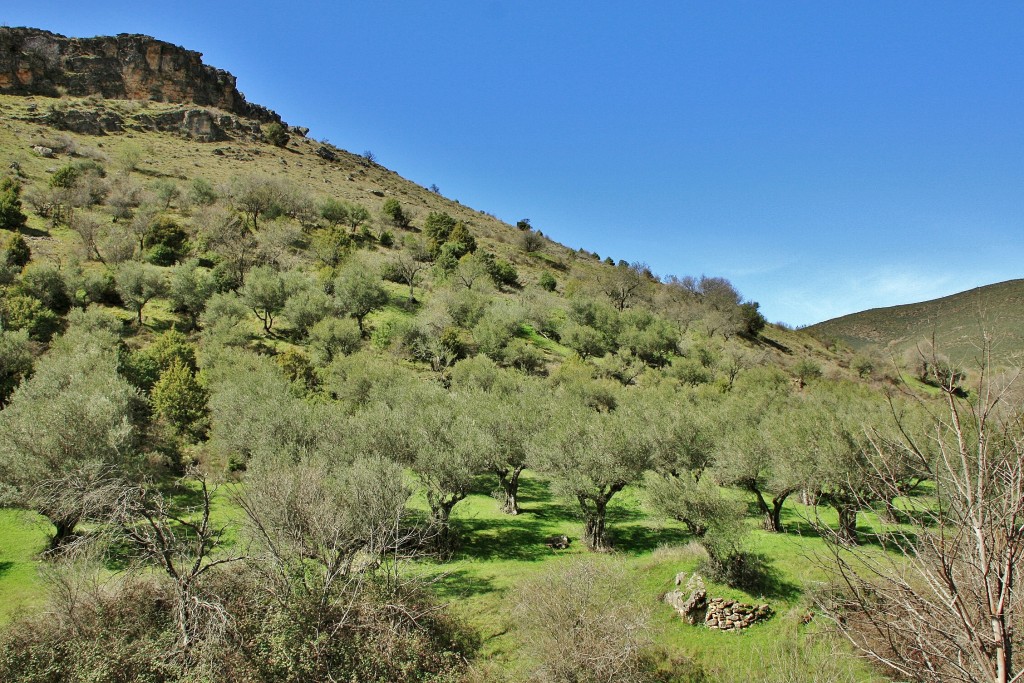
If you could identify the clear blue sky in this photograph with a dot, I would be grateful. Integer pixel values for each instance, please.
(826, 157)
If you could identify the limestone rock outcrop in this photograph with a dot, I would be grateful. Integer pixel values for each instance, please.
(122, 67)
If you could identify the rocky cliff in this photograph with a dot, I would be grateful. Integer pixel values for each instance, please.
(125, 67)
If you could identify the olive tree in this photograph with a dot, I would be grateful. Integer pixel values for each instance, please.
(138, 284)
(359, 291)
(69, 431)
(592, 455)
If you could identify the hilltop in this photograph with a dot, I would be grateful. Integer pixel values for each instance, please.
(957, 323)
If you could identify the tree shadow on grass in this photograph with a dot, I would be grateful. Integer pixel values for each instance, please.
(460, 584)
(5, 567)
(516, 538)
(639, 538)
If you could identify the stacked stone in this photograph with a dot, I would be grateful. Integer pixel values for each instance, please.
(730, 615)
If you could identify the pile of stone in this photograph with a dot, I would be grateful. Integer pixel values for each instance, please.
(730, 615)
(694, 607)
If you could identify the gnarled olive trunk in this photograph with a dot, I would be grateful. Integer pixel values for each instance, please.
(509, 481)
(440, 515)
(595, 508)
(65, 531)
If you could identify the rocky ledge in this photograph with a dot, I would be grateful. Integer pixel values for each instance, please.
(122, 67)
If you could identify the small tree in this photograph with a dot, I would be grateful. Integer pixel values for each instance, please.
(180, 399)
(276, 134)
(265, 293)
(191, 286)
(11, 215)
(393, 213)
(359, 291)
(138, 284)
(592, 456)
(68, 432)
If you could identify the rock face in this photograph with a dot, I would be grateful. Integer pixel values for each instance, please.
(692, 609)
(123, 67)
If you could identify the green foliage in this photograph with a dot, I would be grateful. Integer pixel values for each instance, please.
(45, 282)
(201, 192)
(394, 214)
(358, 290)
(265, 293)
(66, 427)
(437, 227)
(179, 399)
(307, 305)
(145, 366)
(276, 134)
(333, 337)
(189, 289)
(21, 312)
(65, 177)
(138, 284)
(547, 281)
(334, 211)
(11, 215)
(15, 361)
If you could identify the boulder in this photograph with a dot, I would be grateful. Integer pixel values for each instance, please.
(557, 542)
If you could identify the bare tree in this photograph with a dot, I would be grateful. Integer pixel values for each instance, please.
(944, 605)
(183, 546)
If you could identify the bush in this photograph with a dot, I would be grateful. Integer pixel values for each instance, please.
(161, 255)
(16, 253)
(11, 215)
(547, 281)
(276, 134)
(20, 312)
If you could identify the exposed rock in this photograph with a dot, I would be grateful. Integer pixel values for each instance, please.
(557, 542)
(301, 131)
(44, 152)
(123, 67)
(326, 153)
(86, 122)
(692, 610)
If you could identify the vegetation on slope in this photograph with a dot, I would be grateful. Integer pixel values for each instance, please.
(370, 365)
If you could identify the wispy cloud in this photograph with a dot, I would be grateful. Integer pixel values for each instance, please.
(805, 301)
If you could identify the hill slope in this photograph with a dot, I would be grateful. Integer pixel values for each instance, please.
(958, 323)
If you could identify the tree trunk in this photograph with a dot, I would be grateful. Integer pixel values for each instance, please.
(510, 487)
(594, 528)
(65, 531)
(847, 523)
(768, 520)
(775, 518)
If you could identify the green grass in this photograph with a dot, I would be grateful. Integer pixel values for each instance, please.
(23, 538)
(497, 552)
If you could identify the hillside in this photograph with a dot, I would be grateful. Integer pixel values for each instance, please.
(957, 323)
(423, 422)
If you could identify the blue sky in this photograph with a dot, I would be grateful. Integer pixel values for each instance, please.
(826, 157)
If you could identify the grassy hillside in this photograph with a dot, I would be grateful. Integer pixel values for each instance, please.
(570, 330)
(957, 323)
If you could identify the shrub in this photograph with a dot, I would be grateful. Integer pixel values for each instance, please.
(276, 134)
(547, 281)
(20, 312)
(11, 215)
(16, 253)
(393, 213)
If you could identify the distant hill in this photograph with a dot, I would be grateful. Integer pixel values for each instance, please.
(958, 323)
